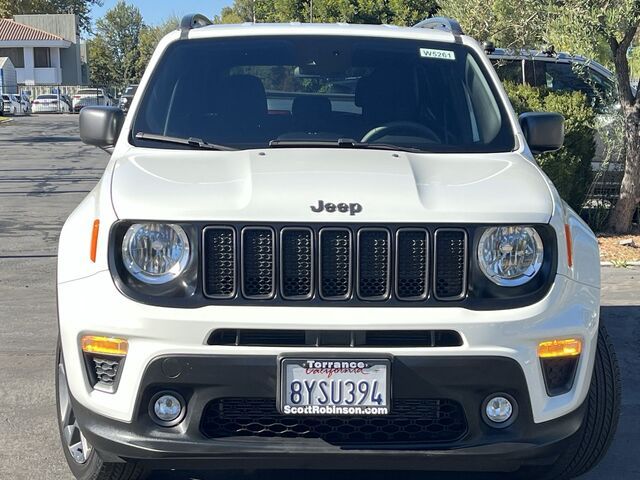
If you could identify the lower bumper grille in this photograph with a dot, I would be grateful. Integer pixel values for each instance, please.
(411, 421)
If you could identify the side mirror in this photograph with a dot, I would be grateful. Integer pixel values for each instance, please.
(100, 125)
(544, 131)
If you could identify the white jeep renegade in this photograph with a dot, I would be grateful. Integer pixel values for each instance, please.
(342, 255)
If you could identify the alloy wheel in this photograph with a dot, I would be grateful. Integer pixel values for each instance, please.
(72, 437)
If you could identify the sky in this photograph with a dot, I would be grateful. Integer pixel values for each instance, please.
(155, 11)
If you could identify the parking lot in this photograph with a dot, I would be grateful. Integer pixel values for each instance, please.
(45, 171)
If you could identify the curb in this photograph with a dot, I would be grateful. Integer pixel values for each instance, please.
(627, 264)
(6, 120)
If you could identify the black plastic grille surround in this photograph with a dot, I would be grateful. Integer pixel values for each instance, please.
(334, 263)
(297, 263)
(559, 374)
(374, 260)
(450, 263)
(411, 264)
(219, 250)
(416, 421)
(258, 262)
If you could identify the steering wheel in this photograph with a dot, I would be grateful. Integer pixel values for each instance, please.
(401, 127)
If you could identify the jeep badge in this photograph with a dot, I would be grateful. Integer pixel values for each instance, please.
(352, 208)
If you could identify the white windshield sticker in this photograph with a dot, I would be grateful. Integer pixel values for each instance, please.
(439, 54)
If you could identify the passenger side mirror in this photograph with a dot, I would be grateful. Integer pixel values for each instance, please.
(100, 126)
(544, 131)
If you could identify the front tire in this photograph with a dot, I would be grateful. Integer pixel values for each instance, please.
(83, 460)
(589, 445)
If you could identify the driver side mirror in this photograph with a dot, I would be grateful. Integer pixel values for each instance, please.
(544, 131)
(100, 126)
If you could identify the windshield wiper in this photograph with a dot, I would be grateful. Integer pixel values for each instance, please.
(191, 141)
(340, 143)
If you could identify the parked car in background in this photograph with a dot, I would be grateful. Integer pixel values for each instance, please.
(127, 97)
(50, 103)
(26, 102)
(11, 105)
(563, 72)
(90, 96)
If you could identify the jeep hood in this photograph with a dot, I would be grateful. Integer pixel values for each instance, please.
(282, 185)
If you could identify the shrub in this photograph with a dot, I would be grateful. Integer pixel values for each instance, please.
(570, 167)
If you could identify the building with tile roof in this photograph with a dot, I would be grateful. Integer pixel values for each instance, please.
(44, 49)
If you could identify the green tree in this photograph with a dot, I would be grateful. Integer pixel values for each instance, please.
(117, 39)
(401, 12)
(613, 23)
(508, 23)
(101, 72)
(82, 8)
(149, 38)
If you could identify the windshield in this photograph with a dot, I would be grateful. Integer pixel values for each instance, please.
(47, 97)
(130, 90)
(251, 92)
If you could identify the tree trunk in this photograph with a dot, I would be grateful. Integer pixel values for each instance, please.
(622, 216)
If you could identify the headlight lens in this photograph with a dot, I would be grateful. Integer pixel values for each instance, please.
(155, 252)
(510, 256)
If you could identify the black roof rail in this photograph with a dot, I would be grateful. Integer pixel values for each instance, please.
(441, 23)
(191, 21)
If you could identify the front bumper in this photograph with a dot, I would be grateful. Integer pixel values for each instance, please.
(203, 379)
(93, 305)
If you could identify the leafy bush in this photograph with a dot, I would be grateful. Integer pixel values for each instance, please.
(570, 167)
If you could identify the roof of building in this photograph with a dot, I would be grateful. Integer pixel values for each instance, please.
(12, 30)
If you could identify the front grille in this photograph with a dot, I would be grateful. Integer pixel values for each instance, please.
(258, 262)
(450, 264)
(411, 421)
(297, 263)
(335, 264)
(335, 338)
(373, 263)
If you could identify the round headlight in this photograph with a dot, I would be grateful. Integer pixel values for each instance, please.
(510, 256)
(155, 252)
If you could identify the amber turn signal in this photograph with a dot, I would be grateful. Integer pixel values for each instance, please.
(104, 345)
(94, 240)
(569, 347)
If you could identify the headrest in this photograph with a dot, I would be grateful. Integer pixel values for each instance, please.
(242, 95)
(311, 106)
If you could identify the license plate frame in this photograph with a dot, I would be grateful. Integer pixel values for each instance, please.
(370, 361)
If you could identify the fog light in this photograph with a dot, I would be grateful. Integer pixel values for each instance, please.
(500, 410)
(167, 408)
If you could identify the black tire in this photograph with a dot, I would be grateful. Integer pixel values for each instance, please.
(589, 445)
(92, 467)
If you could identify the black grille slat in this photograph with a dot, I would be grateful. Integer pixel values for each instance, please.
(297, 263)
(450, 269)
(410, 421)
(335, 263)
(220, 262)
(411, 264)
(373, 264)
(258, 263)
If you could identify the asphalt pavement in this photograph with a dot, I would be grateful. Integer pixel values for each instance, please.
(45, 171)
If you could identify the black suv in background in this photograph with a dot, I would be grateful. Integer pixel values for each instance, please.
(127, 97)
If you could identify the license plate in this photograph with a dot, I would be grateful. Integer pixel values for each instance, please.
(334, 387)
